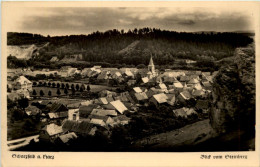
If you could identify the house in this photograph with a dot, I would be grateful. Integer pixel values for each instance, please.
(106, 119)
(137, 90)
(32, 111)
(105, 93)
(169, 80)
(193, 81)
(123, 96)
(79, 127)
(116, 75)
(85, 71)
(145, 80)
(103, 112)
(184, 96)
(54, 59)
(121, 119)
(150, 93)
(110, 98)
(184, 78)
(87, 102)
(84, 111)
(207, 85)
(119, 106)
(180, 113)
(177, 85)
(189, 111)
(74, 105)
(173, 73)
(141, 97)
(103, 100)
(57, 111)
(22, 83)
(73, 114)
(103, 76)
(131, 82)
(198, 93)
(143, 72)
(162, 86)
(45, 103)
(99, 122)
(171, 99)
(158, 99)
(50, 132)
(72, 71)
(129, 74)
(190, 61)
(66, 138)
(197, 86)
(97, 67)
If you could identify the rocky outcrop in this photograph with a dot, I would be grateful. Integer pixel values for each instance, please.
(233, 95)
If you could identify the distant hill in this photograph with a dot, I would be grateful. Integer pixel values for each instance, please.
(135, 46)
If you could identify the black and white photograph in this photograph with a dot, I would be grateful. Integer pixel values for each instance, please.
(130, 79)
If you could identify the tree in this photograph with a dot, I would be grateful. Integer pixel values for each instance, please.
(58, 92)
(77, 87)
(62, 86)
(23, 103)
(49, 93)
(66, 91)
(73, 91)
(44, 84)
(41, 93)
(72, 86)
(34, 83)
(82, 87)
(58, 85)
(34, 92)
(49, 84)
(67, 86)
(88, 88)
(53, 84)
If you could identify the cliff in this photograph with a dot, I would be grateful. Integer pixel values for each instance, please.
(233, 95)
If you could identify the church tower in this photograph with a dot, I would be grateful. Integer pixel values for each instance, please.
(151, 69)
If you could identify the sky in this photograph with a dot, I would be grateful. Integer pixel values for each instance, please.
(84, 20)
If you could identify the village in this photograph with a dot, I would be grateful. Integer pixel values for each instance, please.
(63, 105)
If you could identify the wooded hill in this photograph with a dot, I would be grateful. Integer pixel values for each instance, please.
(136, 46)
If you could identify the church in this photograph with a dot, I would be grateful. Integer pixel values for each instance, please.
(151, 69)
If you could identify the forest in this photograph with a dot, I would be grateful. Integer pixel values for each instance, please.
(134, 47)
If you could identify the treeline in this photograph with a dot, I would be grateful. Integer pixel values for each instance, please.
(14, 38)
(165, 46)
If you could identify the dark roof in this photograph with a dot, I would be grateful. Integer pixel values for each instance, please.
(76, 126)
(46, 102)
(86, 110)
(58, 107)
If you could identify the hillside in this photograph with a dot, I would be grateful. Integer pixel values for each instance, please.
(233, 105)
(136, 46)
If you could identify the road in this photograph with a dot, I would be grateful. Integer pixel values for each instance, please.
(17, 143)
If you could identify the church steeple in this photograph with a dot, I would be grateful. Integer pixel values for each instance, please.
(151, 69)
(151, 61)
